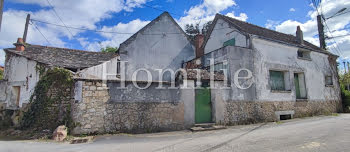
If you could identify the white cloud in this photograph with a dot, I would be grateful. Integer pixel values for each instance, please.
(77, 13)
(86, 13)
(215, 6)
(202, 13)
(115, 39)
(335, 24)
(206, 11)
(289, 26)
(242, 16)
(292, 10)
(271, 24)
(13, 26)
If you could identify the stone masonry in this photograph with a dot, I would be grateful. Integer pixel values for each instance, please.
(240, 113)
(96, 114)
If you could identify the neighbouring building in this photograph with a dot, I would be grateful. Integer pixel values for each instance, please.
(291, 77)
(22, 68)
(258, 75)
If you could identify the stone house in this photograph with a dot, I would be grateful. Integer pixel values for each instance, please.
(256, 75)
(23, 66)
(287, 76)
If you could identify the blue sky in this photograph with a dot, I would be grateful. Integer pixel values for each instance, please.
(128, 16)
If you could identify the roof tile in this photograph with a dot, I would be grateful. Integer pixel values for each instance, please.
(63, 57)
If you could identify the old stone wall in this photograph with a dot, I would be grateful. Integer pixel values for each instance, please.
(95, 112)
(144, 117)
(239, 113)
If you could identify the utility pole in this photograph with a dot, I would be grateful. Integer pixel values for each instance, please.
(320, 26)
(344, 67)
(1, 11)
(26, 28)
(321, 32)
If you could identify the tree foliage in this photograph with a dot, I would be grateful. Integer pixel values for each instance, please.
(206, 28)
(110, 49)
(192, 30)
(344, 80)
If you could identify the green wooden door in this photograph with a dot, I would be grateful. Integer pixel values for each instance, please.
(297, 87)
(203, 106)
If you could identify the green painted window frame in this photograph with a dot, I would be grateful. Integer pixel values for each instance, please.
(231, 42)
(277, 81)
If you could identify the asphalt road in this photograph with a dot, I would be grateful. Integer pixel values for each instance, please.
(327, 133)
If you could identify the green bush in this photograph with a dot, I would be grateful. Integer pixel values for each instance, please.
(345, 94)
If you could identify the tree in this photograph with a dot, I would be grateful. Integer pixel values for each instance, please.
(193, 30)
(344, 80)
(110, 49)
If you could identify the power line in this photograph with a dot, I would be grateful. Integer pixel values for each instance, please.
(101, 31)
(339, 14)
(84, 29)
(315, 4)
(336, 44)
(158, 9)
(41, 34)
(54, 10)
(339, 36)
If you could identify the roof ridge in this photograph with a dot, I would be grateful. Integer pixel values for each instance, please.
(68, 49)
(261, 31)
(165, 13)
(257, 25)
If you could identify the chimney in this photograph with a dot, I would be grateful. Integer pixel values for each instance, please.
(299, 35)
(199, 39)
(19, 45)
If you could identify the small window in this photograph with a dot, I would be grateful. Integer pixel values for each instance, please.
(231, 42)
(277, 82)
(304, 54)
(329, 80)
(118, 67)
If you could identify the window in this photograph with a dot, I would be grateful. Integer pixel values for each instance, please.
(300, 86)
(303, 54)
(118, 67)
(329, 80)
(277, 81)
(231, 42)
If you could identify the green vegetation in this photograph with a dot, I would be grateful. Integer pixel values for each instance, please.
(345, 93)
(192, 30)
(49, 105)
(110, 49)
(279, 122)
(1, 74)
(334, 114)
